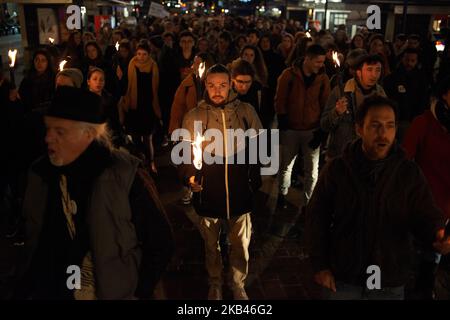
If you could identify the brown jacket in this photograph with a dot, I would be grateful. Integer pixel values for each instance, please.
(302, 106)
(185, 99)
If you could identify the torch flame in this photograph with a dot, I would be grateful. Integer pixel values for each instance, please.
(197, 149)
(61, 65)
(308, 35)
(336, 59)
(117, 45)
(201, 69)
(51, 40)
(12, 56)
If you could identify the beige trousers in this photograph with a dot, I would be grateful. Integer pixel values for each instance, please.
(240, 230)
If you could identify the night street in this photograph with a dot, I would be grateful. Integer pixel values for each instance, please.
(224, 150)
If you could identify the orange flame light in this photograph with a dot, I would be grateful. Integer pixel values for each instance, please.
(201, 69)
(308, 35)
(51, 40)
(61, 65)
(117, 45)
(336, 59)
(12, 56)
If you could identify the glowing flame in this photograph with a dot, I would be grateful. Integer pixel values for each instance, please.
(308, 35)
(51, 40)
(61, 65)
(197, 149)
(12, 56)
(117, 45)
(440, 46)
(201, 69)
(336, 59)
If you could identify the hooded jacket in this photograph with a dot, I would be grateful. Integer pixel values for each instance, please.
(365, 213)
(342, 127)
(227, 188)
(303, 106)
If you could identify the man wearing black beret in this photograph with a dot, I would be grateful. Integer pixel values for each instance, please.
(90, 209)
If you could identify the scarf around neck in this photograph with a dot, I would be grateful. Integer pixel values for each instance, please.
(149, 66)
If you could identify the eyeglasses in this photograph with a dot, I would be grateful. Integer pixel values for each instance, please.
(244, 82)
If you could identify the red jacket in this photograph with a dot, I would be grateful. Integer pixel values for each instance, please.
(429, 144)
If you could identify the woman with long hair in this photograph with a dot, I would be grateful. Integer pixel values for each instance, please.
(37, 87)
(94, 59)
(253, 55)
(286, 46)
(140, 111)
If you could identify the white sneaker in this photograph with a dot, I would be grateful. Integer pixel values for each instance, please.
(239, 294)
(215, 292)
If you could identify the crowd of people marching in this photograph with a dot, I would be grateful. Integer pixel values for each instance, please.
(79, 143)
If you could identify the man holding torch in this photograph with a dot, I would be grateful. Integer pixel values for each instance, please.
(223, 191)
(344, 101)
(187, 96)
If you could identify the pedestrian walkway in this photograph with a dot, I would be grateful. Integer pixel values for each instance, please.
(278, 266)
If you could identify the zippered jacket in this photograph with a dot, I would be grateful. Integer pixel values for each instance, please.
(365, 213)
(227, 185)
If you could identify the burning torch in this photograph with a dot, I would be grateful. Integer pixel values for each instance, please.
(197, 152)
(117, 46)
(12, 57)
(340, 80)
(201, 69)
(61, 65)
(339, 75)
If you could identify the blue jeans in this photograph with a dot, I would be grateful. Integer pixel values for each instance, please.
(346, 291)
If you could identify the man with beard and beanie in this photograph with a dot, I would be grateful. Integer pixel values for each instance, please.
(366, 208)
(428, 142)
(338, 118)
(90, 206)
(302, 92)
(223, 189)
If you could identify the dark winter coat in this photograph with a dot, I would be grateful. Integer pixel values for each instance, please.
(119, 220)
(365, 213)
